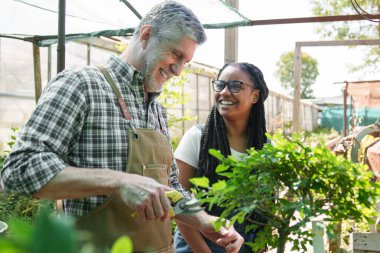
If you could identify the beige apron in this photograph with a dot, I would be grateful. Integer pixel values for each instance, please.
(149, 154)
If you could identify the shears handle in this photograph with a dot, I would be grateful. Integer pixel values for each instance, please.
(174, 196)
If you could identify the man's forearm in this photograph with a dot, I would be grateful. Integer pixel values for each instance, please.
(143, 194)
(78, 183)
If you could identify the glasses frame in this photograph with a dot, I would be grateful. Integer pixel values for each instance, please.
(228, 84)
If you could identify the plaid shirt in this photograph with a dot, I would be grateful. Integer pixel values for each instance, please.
(78, 122)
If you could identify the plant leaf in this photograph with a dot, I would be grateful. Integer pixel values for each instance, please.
(122, 245)
(200, 181)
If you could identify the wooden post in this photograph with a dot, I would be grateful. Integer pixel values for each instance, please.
(49, 63)
(197, 90)
(297, 89)
(318, 231)
(37, 71)
(231, 39)
(345, 110)
(88, 54)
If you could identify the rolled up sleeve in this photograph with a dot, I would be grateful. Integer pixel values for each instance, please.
(42, 144)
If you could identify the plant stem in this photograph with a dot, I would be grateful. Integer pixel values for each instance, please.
(282, 238)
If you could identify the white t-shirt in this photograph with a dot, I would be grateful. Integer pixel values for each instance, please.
(189, 146)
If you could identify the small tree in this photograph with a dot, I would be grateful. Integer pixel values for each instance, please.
(309, 72)
(288, 184)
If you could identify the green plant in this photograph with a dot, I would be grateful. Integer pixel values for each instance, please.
(320, 135)
(173, 94)
(289, 183)
(14, 205)
(52, 233)
(10, 143)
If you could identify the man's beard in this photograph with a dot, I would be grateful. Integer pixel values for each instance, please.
(149, 81)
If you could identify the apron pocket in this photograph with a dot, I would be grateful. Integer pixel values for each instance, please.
(158, 172)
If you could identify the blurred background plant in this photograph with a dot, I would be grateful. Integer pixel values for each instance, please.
(14, 205)
(52, 233)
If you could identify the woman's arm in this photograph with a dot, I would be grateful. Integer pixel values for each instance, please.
(186, 172)
(192, 237)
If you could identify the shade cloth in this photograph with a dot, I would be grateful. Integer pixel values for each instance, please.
(37, 20)
(365, 94)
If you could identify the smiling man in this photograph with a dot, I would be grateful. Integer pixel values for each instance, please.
(98, 139)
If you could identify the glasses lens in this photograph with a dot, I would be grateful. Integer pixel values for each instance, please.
(235, 86)
(218, 85)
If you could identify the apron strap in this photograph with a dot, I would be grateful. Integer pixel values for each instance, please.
(159, 121)
(120, 99)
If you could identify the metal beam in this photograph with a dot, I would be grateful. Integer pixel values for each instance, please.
(130, 6)
(231, 38)
(102, 42)
(329, 43)
(311, 19)
(61, 36)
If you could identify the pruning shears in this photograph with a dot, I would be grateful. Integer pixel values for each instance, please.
(179, 205)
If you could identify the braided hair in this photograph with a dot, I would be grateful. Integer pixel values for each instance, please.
(214, 133)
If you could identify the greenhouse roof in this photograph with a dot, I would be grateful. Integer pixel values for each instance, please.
(37, 20)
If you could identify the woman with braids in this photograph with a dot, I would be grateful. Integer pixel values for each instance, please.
(236, 123)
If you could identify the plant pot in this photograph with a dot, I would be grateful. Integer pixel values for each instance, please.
(3, 228)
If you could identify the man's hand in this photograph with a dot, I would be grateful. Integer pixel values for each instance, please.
(226, 237)
(146, 197)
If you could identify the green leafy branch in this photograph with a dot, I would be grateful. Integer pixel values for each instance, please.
(289, 183)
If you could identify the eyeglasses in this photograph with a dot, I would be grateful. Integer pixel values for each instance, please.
(234, 85)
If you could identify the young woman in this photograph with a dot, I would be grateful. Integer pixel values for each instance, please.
(235, 124)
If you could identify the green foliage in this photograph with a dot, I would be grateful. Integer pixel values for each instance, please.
(309, 73)
(351, 30)
(320, 135)
(122, 245)
(49, 234)
(52, 233)
(10, 144)
(173, 94)
(18, 206)
(346, 30)
(13, 205)
(289, 183)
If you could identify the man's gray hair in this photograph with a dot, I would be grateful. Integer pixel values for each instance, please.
(170, 18)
